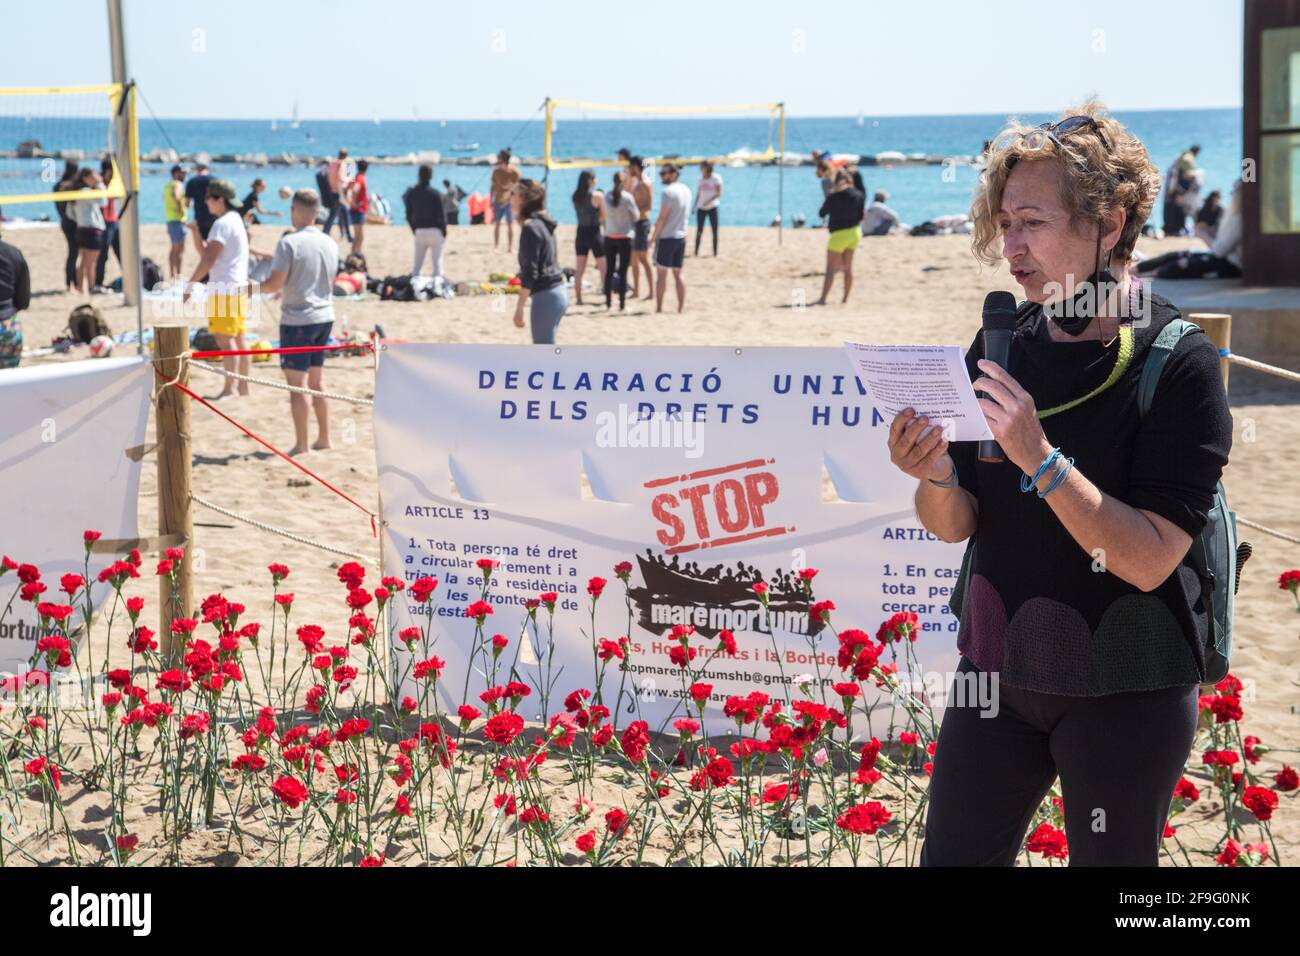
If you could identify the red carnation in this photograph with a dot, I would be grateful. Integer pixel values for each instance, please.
(864, 818)
(290, 792)
(1260, 801)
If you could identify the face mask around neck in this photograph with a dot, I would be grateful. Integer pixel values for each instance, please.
(1072, 316)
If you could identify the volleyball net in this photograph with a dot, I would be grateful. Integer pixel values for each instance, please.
(47, 132)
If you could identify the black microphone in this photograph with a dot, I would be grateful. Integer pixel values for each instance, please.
(999, 322)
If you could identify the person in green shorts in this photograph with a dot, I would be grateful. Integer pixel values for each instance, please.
(843, 209)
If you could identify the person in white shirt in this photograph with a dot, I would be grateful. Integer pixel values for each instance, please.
(708, 197)
(669, 236)
(223, 258)
(89, 216)
(879, 219)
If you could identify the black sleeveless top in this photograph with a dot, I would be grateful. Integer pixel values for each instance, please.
(588, 215)
(1038, 609)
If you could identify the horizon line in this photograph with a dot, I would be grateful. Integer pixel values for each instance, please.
(651, 116)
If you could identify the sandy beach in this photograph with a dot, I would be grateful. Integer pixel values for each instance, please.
(908, 290)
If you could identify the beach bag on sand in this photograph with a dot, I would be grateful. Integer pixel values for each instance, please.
(397, 289)
(1216, 556)
(85, 323)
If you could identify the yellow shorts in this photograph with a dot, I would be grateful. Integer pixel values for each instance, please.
(842, 240)
(227, 314)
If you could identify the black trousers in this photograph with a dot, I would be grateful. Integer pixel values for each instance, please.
(711, 217)
(1118, 756)
(109, 241)
(618, 256)
(69, 227)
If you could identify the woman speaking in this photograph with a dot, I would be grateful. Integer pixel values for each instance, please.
(1080, 612)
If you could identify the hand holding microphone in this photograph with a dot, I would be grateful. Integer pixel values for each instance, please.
(999, 321)
(1009, 409)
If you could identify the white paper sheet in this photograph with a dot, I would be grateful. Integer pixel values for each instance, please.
(931, 379)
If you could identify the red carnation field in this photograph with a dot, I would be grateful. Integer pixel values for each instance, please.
(286, 740)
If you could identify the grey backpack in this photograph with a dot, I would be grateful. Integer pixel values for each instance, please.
(1214, 552)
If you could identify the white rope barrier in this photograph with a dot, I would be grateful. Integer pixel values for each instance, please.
(271, 383)
(1241, 360)
(1267, 530)
(263, 526)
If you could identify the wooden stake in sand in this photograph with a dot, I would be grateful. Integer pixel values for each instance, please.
(1218, 326)
(172, 424)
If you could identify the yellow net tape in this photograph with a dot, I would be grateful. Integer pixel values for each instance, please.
(117, 188)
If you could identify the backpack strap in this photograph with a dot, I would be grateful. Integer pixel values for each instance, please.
(1157, 355)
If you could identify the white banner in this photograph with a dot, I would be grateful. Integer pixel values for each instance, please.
(707, 468)
(64, 438)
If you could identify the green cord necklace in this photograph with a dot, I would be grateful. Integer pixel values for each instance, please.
(1121, 364)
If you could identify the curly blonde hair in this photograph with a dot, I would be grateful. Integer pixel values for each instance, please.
(1094, 180)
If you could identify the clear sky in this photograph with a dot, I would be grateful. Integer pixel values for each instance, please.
(355, 59)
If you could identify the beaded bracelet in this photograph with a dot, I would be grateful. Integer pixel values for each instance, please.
(1057, 478)
(1026, 482)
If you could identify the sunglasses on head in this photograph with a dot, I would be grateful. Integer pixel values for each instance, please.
(1037, 137)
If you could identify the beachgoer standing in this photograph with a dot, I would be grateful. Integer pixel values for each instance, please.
(644, 196)
(89, 216)
(589, 205)
(708, 197)
(67, 223)
(669, 237)
(302, 270)
(174, 203)
(110, 238)
(621, 213)
(336, 175)
(504, 178)
(451, 197)
(15, 295)
(843, 209)
(426, 214)
(223, 259)
(196, 195)
(541, 283)
(358, 201)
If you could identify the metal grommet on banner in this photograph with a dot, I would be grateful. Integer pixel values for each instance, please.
(558, 350)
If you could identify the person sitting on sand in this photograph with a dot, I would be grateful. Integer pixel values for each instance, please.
(1208, 216)
(843, 210)
(1221, 261)
(302, 270)
(879, 218)
(223, 259)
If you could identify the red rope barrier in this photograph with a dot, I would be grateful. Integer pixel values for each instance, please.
(219, 353)
(262, 441)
